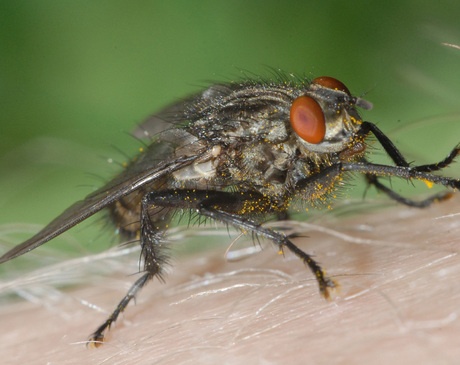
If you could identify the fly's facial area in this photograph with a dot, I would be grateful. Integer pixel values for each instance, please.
(325, 117)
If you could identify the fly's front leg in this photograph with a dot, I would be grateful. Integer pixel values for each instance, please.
(373, 180)
(153, 254)
(400, 161)
(440, 165)
(407, 173)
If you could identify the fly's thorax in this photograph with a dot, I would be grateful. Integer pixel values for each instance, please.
(253, 141)
(258, 166)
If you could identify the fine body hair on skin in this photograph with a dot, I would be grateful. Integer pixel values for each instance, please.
(398, 268)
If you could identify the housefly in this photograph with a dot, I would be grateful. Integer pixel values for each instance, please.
(242, 153)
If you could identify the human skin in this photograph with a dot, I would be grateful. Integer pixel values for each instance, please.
(398, 269)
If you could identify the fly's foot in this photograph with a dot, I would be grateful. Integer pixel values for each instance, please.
(95, 341)
(328, 288)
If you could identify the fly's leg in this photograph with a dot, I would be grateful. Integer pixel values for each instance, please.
(154, 260)
(442, 164)
(326, 285)
(97, 338)
(373, 180)
(399, 160)
(232, 208)
(386, 143)
(407, 173)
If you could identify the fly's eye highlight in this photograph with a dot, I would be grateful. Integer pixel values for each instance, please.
(307, 119)
(331, 83)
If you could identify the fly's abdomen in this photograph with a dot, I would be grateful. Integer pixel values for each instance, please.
(126, 214)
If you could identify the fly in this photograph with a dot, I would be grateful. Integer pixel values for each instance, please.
(242, 153)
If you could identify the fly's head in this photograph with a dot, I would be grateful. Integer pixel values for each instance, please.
(325, 119)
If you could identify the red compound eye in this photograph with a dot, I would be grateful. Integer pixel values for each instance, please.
(331, 83)
(307, 119)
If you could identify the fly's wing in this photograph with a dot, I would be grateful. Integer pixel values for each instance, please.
(180, 112)
(138, 174)
(145, 170)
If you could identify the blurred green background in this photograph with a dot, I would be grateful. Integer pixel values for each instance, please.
(77, 76)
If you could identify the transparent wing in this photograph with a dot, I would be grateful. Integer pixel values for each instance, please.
(179, 112)
(137, 175)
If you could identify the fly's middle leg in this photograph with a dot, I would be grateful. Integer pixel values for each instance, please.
(236, 209)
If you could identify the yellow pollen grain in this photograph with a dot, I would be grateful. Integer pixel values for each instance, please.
(428, 183)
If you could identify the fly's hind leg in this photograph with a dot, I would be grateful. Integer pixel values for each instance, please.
(153, 254)
(97, 338)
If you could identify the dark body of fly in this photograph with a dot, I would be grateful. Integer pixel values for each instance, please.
(240, 154)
